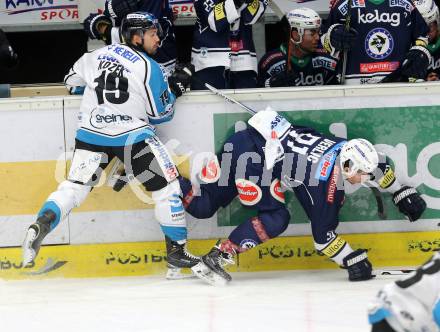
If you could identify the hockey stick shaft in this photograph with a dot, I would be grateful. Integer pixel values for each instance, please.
(345, 55)
(392, 272)
(229, 99)
(379, 200)
(221, 94)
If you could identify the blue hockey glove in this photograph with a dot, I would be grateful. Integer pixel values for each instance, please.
(409, 202)
(340, 38)
(92, 24)
(416, 63)
(358, 266)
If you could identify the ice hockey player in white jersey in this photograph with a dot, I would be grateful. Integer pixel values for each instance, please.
(125, 94)
(411, 304)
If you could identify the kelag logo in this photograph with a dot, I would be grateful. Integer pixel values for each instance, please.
(50, 10)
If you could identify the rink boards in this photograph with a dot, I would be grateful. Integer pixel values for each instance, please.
(401, 120)
(146, 258)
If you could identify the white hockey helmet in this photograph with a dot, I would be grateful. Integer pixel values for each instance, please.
(358, 155)
(428, 9)
(302, 19)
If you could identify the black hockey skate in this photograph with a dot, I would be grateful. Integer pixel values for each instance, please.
(35, 235)
(178, 257)
(211, 268)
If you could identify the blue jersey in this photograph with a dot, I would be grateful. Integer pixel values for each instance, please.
(387, 29)
(223, 34)
(318, 68)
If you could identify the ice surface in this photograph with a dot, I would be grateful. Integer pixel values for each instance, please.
(299, 301)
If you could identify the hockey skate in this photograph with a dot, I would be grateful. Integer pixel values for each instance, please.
(210, 269)
(35, 235)
(179, 258)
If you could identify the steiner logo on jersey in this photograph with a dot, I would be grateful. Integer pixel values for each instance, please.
(379, 43)
(100, 119)
(248, 192)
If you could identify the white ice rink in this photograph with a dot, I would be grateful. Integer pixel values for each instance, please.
(299, 301)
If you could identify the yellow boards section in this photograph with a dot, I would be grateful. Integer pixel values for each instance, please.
(288, 253)
(26, 185)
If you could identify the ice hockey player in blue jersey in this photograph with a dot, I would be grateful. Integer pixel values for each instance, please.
(430, 13)
(270, 156)
(125, 94)
(223, 51)
(411, 304)
(391, 35)
(106, 26)
(309, 64)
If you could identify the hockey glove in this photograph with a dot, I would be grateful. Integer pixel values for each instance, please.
(358, 266)
(118, 9)
(180, 80)
(416, 63)
(285, 78)
(8, 58)
(339, 38)
(409, 202)
(97, 25)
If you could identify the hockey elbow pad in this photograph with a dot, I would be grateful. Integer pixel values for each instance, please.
(416, 63)
(409, 202)
(358, 266)
(118, 9)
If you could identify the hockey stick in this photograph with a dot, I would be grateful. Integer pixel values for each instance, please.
(231, 100)
(380, 206)
(392, 272)
(347, 28)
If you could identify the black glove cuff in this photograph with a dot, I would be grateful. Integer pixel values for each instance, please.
(399, 195)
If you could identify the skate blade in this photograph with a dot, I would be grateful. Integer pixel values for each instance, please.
(28, 252)
(206, 274)
(175, 273)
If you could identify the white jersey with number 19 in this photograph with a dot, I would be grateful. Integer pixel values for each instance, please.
(125, 91)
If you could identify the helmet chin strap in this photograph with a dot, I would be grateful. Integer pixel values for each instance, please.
(297, 43)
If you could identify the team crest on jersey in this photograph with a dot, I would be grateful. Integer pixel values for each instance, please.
(247, 244)
(248, 192)
(379, 43)
(276, 192)
(211, 172)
